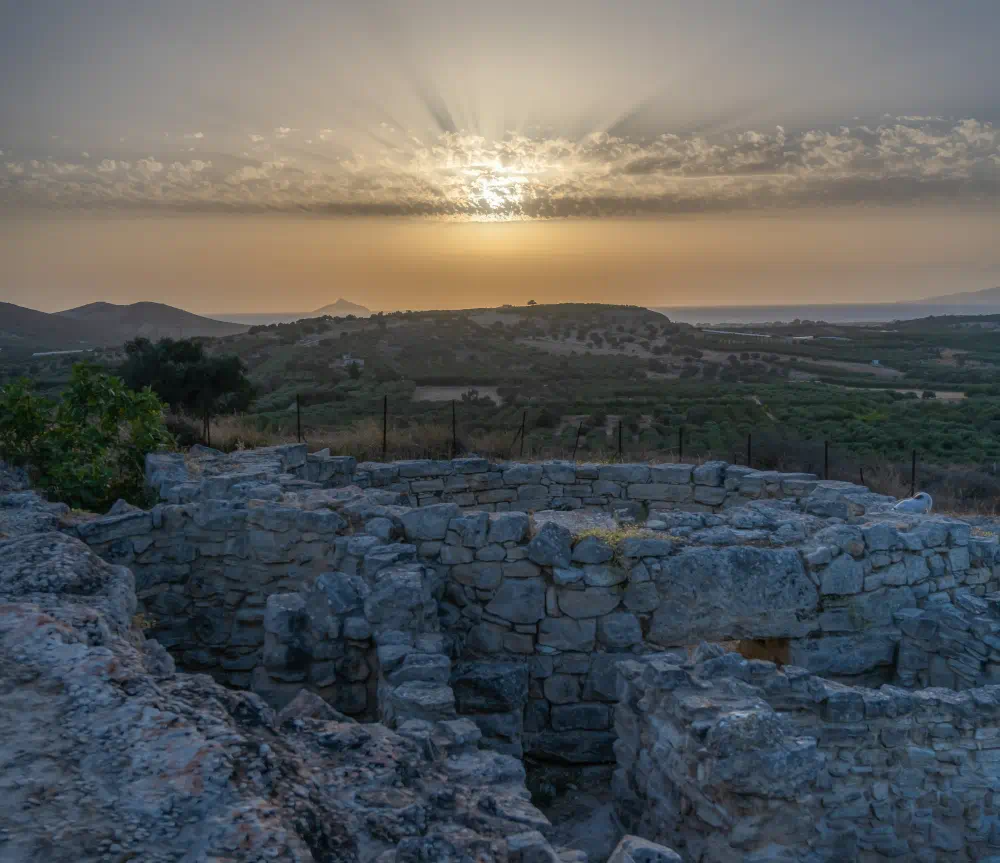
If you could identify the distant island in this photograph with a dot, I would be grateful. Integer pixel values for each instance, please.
(340, 308)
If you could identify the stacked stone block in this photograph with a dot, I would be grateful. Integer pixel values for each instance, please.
(479, 484)
(953, 643)
(730, 760)
(310, 586)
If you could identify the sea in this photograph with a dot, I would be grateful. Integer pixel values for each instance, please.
(840, 313)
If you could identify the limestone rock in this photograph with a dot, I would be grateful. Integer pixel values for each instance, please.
(519, 600)
(633, 849)
(308, 705)
(551, 546)
(741, 589)
(490, 687)
(429, 522)
(113, 765)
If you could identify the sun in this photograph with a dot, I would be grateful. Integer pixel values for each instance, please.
(495, 193)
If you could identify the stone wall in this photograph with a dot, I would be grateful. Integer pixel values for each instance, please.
(576, 605)
(479, 484)
(116, 756)
(283, 584)
(732, 760)
(954, 643)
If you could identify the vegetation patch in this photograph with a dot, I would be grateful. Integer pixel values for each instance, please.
(89, 448)
(615, 538)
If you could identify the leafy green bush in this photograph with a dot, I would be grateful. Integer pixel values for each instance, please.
(89, 449)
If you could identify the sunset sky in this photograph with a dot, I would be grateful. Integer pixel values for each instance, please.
(251, 156)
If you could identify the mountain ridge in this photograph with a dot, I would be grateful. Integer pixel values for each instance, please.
(102, 324)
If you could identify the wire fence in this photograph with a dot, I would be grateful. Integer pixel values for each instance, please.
(760, 450)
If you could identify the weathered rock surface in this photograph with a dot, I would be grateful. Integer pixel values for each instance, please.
(106, 754)
(733, 760)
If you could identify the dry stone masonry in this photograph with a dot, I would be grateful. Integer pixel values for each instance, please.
(728, 760)
(552, 608)
(108, 754)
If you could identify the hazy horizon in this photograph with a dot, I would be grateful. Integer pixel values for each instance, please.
(230, 155)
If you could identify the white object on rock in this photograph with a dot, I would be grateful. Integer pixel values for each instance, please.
(634, 849)
(920, 503)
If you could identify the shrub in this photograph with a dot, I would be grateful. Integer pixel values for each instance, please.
(23, 419)
(90, 448)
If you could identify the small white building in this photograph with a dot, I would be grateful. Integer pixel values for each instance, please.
(347, 360)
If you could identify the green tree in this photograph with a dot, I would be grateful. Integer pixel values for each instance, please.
(24, 416)
(89, 449)
(186, 378)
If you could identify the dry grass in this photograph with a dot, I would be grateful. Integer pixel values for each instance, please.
(957, 489)
(237, 432)
(363, 440)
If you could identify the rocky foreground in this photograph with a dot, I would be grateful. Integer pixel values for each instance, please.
(108, 754)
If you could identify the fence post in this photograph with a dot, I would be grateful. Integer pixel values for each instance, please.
(510, 449)
(524, 419)
(749, 450)
(913, 473)
(298, 419)
(826, 459)
(385, 425)
(680, 444)
(862, 472)
(454, 430)
(208, 429)
(576, 442)
(619, 437)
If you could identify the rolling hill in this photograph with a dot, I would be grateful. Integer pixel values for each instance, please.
(25, 331)
(153, 320)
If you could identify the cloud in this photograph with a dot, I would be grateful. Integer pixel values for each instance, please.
(194, 135)
(457, 175)
(256, 138)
